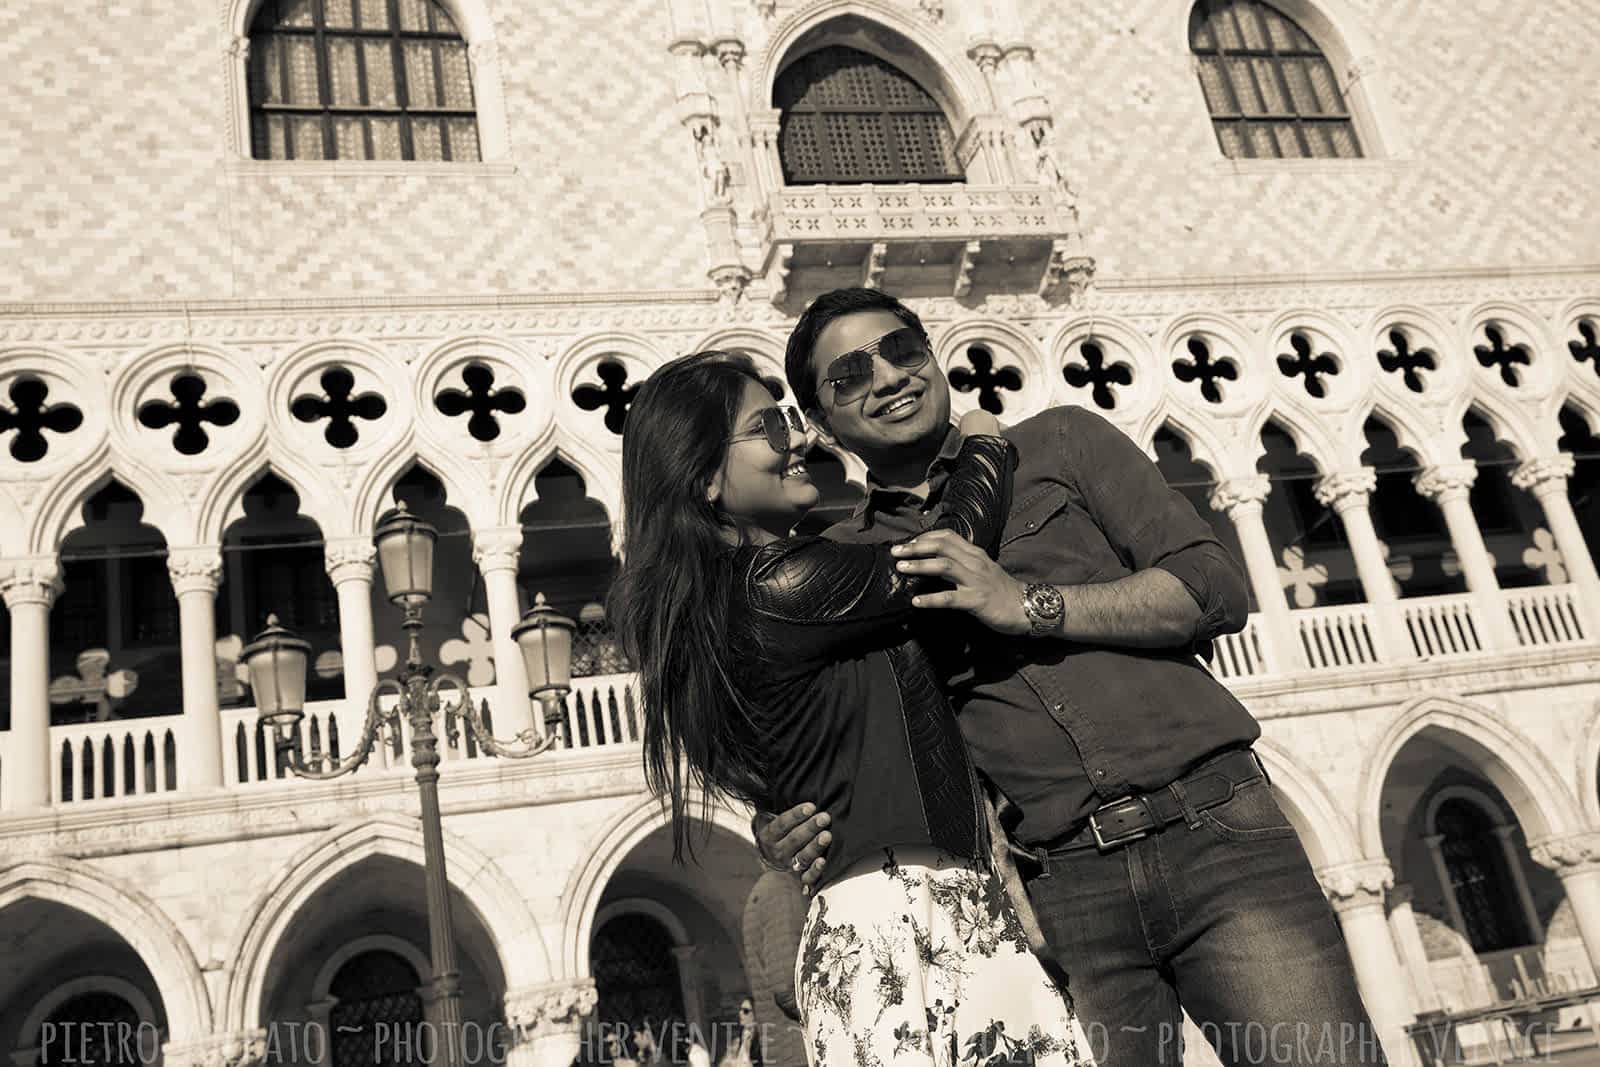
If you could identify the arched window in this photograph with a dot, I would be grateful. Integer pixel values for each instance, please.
(851, 117)
(1478, 877)
(635, 973)
(94, 1014)
(359, 79)
(1271, 91)
(376, 998)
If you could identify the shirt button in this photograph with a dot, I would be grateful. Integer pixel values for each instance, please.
(1030, 524)
(1101, 773)
(1059, 707)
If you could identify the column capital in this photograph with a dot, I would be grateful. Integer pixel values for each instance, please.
(195, 568)
(349, 559)
(1568, 854)
(1447, 481)
(33, 580)
(1243, 494)
(245, 1048)
(1544, 475)
(552, 1004)
(987, 55)
(730, 53)
(496, 548)
(1356, 885)
(1343, 490)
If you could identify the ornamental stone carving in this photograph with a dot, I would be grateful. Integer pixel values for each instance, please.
(349, 559)
(1344, 490)
(554, 1004)
(1570, 854)
(1545, 475)
(246, 1048)
(1447, 481)
(1356, 885)
(30, 581)
(195, 569)
(1241, 493)
(497, 548)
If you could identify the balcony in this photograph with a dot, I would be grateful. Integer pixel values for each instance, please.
(915, 239)
(92, 763)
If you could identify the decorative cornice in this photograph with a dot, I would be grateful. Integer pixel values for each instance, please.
(195, 569)
(1241, 493)
(349, 559)
(1543, 475)
(36, 580)
(246, 1048)
(496, 548)
(554, 1005)
(1447, 481)
(1356, 885)
(1568, 855)
(1344, 490)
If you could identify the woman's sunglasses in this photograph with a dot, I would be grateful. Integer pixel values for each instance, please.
(851, 374)
(777, 424)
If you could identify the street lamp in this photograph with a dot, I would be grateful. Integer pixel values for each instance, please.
(276, 660)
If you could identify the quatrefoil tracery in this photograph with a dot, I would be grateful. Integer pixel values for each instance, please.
(482, 399)
(339, 407)
(190, 414)
(30, 415)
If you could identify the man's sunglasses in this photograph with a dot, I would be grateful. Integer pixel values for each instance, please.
(851, 374)
(777, 424)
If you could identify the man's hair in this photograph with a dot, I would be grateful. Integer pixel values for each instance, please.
(823, 310)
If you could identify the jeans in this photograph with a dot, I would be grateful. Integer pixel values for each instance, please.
(1225, 919)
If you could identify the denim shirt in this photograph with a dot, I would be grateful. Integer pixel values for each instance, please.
(1060, 727)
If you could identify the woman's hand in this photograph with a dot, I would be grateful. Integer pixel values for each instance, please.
(979, 422)
(982, 588)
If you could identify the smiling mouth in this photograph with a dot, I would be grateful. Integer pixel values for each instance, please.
(897, 406)
(796, 470)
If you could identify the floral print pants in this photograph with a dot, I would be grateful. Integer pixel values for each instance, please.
(919, 960)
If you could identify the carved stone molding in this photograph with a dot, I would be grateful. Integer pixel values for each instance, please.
(195, 569)
(555, 1004)
(1545, 475)
(1356, 885)
(497, 548)
(349, 559)
(1571, 854)
(247, 1048)
(1344, 490)
(1447, 481)
(1241, 493)
(30, 581)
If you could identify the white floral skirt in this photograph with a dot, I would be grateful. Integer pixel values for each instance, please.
(916, 959)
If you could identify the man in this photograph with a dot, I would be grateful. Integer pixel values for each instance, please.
(774, 918)
(1163, 873)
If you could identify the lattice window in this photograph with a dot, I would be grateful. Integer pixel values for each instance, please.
(635, 973)
(851, 117)
(78, 1030)
(360, 79)
(1482, 885)
(1271, 92)
(377, 1003)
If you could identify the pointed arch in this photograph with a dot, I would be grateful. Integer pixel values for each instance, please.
(587, 883)
(464, 486)
(1504, 755)
(1510, 423)
(1588, 776)
(502, 910)
(1332, 840)
(223, 504)
(1307, 432)
(61, 510)
(601, 472)
(136, 919)
(1204, 446)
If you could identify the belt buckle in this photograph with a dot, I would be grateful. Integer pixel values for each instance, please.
(1101, 841)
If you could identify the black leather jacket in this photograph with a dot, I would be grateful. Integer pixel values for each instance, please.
(850, 708)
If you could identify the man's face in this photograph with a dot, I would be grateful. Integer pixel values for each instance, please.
(901, 409)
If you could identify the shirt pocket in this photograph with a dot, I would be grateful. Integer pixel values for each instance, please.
(1049, 538)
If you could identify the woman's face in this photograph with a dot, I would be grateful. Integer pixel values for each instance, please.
(765, 491)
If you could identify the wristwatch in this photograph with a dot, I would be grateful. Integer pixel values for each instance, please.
(1042, 604)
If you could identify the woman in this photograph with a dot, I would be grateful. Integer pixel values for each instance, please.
(774, 668)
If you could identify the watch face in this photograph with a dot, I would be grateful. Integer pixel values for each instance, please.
(1045, 600)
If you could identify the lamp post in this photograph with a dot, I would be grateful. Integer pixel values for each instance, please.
(276, 660)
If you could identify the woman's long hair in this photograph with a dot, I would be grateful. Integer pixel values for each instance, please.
(671, 597)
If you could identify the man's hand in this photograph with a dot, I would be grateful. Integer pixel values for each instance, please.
(982, 587)
(795, 841)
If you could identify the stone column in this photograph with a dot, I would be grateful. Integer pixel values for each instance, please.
(1408, 939)
(349, 562)
(690, 983)
(544, 1022)
(318, 1051)
(1241, 500)
(495, 551)
(29, 587)
(1575, 858)
(1348, 493)
(1546, 478)
(243, 1048)
(196, 572)
(1356, 891)
(1449, 485)
(1519, 881)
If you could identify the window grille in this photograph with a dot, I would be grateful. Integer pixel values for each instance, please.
(851, 117)
(1271, 92)
(360, 79)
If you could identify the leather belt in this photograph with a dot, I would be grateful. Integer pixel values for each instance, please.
(1130, 818)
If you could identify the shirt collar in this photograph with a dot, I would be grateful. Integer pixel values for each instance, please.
(879, 494)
